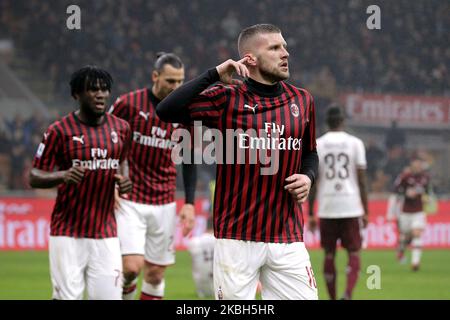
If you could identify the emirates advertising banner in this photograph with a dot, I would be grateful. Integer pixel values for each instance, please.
(25, 225)
(409, 111)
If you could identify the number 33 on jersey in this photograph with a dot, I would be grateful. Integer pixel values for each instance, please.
(340, 155)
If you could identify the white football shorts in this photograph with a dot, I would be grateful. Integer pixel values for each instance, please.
(408, 222)
(284, 270)
(77, 263)
(147, 230)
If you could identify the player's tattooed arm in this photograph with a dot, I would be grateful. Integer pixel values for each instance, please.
(45, 179)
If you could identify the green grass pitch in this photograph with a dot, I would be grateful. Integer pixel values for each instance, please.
(25, 276)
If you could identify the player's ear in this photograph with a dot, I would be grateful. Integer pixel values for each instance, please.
(251, 59)
(155, 76)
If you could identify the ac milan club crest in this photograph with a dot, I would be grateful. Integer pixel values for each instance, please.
(114, 137)
(294, 110)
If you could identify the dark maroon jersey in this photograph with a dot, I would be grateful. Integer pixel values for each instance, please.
(151, 168)
(419, 182)
(86, 209)
(249, 205)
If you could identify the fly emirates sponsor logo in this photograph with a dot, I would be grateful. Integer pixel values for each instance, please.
(157, 139)
(269, 139)
(99, 161)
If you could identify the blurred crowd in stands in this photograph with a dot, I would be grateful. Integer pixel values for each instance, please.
(19, 139)
(332, 51)
(328, 40)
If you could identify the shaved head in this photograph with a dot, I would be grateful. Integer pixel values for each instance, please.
(248, 34)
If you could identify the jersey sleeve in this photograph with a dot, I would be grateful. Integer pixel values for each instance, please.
(209, 105)
(361, 162)
(310, 132)
(121, 108)
(46, 157)
(310, 159)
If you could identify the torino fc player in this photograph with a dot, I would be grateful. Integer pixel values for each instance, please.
(412, 184)
(341, 192)
(146, 218)
(87, 146)
(257, 217)
(201, 249)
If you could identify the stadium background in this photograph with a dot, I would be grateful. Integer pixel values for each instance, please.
(399, 74)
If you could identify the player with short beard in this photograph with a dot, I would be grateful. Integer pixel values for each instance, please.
(258, 219)
(146, 216)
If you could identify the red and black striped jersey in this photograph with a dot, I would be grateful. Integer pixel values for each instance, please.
(151, 168)
(419, 183)
(86, 209)
(250, 205)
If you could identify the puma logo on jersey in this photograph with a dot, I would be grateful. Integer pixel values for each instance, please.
(250, 107)
(78, 139)
(144, 115)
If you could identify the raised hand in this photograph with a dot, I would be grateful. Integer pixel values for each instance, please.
(229, 67)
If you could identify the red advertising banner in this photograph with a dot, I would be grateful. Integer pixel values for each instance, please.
(25, 225)
(408, 111)
(381, 233)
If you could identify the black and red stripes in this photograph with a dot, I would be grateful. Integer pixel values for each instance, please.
(249, 205)
(151, 168)
(85, 210)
